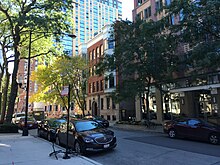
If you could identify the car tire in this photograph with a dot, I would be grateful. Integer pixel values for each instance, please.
(78, 148)
(49, 136)
(57, 141)
(213, 138)
(172, 133)
(38, 133)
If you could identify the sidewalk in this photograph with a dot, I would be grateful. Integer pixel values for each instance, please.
(16, 149)
(158, 129)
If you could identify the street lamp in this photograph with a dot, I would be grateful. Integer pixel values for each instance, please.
(25, 128)
(66, 156)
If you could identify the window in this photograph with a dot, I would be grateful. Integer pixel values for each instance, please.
(193, 122)
(102, 104)
(93, 87)
(56, 107)
(108, 102)
(90, 87)
(90, 104)
(113, 105)
(158, 5)
(108, 117)
(111, 81)
(93, 54)
(97, 86)
(110, 44)
(101, 85)
(102, 50)
(147, 12)
(97, 52)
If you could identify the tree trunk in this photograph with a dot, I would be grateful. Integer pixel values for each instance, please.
(14, 88)
(5, 97)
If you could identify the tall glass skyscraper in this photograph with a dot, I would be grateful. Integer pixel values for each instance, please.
(89, 16)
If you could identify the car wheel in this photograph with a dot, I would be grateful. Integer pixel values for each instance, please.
(214, 139)
(57, 141)
(172, 133)
(78, 148)
(48, 136)
(38, 133)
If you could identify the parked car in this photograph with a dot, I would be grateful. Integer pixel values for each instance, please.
(194, 129)
(85, 136)
(48, 128)
(16, 117)
(98, 119)
(31, 122)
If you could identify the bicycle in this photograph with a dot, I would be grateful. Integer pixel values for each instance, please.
(150, 124)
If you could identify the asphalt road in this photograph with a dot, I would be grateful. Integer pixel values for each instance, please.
(136, 147)
(143, 148)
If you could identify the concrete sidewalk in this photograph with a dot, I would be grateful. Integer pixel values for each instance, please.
(16, 149)
(158, 129)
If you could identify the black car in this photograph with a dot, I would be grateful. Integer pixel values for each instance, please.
(86, 135)
(98, 119)
(48, 128)
(193, 128)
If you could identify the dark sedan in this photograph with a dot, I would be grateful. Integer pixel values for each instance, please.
(194, 129)
(98, 119)
(48, 128)
(86, 135)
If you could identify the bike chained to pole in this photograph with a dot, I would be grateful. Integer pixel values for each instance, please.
(55, 152)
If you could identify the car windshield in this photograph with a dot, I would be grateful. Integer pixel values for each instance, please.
(86, 125)
(57, 123)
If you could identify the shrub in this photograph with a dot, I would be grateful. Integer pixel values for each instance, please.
(8, 128)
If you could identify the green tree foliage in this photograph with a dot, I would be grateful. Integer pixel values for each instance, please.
(61, 72)
(143, 56)
(19, 17)
(199, 27)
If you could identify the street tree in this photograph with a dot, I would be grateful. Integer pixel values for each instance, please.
(143, 56)
(199, 28)
(29, 17)
(51, 79)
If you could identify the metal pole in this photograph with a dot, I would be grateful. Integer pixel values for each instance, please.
(25, 129)
(66, 156)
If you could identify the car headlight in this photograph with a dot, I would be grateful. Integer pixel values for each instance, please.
(88, 140)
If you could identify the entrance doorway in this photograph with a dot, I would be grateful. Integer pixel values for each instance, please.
(94, 108)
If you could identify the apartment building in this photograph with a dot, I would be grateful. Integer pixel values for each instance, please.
(90, 16)
(197, 96)
(99, 88)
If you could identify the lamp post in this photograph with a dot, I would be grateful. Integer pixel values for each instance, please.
(25, 128)
(66, 156)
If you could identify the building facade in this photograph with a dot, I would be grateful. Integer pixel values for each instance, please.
(99, 88)
(90, 16)
(197, 96)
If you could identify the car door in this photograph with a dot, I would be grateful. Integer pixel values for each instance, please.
(181, 127)
(62, 133)
(196, 130)
(71, 137)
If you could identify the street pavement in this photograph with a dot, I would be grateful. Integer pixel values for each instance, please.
(16, 149)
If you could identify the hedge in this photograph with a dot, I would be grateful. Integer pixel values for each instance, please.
(8, 128)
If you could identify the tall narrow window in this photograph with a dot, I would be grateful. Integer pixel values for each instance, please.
(102, 103)
(108, 102)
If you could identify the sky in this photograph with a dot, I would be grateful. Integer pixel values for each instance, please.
(127, 7)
